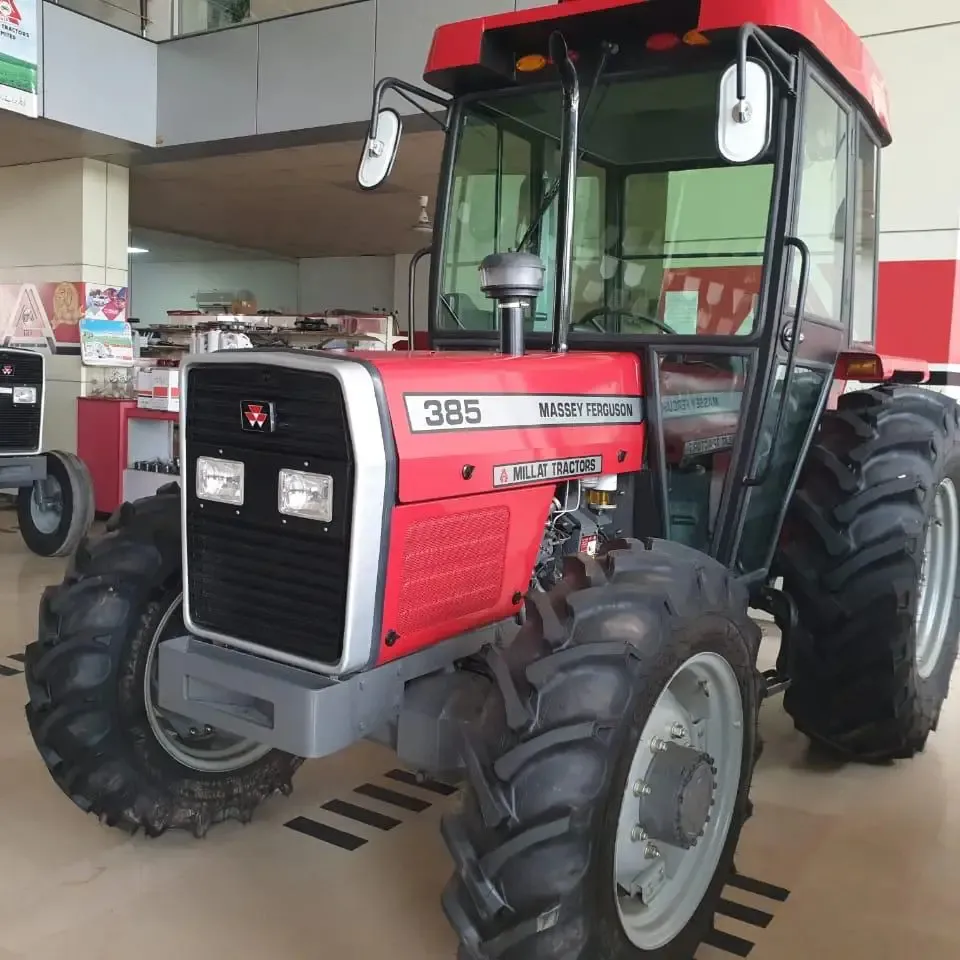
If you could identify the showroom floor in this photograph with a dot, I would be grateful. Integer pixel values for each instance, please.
(837, 863)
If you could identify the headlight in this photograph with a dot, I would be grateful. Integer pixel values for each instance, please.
(307, 495)
(24, 394)
(220, 480)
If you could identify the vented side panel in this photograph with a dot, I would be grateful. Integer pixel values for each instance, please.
(452, 566)
(456, 565)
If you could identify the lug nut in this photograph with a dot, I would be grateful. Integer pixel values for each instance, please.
(638, 834)
(641, 789)
(678, 731)
(658, 745)
(651, 852)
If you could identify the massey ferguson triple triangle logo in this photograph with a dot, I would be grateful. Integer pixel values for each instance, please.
(255, 417)
(7, 370)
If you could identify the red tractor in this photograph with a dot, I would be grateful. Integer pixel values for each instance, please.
(525, 558)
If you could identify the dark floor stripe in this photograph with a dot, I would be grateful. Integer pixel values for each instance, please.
(758, 887)
(728, 943)
(320, 831)
(361, 814)
(739, 911)
(19, 657)
(404, 800)
(411, 780)
(8, 671)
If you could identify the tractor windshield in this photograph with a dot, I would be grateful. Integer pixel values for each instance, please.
(668, 237)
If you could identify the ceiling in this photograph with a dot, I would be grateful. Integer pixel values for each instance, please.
(299, 201)
(26, 140)
(155, 246)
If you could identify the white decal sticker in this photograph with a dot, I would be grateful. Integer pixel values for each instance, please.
(535, 471)
(697, 404)
(693, 448)
(428, 413)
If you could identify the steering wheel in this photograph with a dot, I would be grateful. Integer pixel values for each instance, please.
(591, 316)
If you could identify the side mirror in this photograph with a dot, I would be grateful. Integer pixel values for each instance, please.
(744, 114)
(380, 149)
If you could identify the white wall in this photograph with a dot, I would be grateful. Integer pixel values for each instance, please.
(177, 268)
(350, 283)
(156, 288)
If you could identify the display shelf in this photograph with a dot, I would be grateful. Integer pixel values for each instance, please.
(111, 436)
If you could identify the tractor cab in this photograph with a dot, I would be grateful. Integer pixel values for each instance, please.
(701, 191)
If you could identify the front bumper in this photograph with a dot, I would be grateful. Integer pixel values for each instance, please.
(289, 708)
(16, 472)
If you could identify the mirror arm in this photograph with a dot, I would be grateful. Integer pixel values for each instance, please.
(408, 91)
(780, 62)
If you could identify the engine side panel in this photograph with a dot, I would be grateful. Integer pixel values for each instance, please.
(472, 423)
(457, 564)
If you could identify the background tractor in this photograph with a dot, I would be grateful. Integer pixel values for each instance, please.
(55, 505)
(525, 559)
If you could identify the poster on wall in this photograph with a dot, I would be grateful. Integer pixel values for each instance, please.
(18, 56)
(42, 316)
(105, 303)
(106, 343)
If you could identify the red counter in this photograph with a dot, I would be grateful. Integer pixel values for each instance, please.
(104, 445)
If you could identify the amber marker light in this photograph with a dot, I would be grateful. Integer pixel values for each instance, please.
(694, 38)
(531, 63)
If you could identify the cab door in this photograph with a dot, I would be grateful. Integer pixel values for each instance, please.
(811, 327)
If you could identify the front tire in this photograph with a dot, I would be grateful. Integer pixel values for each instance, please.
(89, 677)
(871, 556)
(563, 784)
(55, 513)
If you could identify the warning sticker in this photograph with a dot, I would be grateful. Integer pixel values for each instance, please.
(535, 471)
(432, 413)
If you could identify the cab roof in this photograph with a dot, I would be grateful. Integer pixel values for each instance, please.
(479, 53)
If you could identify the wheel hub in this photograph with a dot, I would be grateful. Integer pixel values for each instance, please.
(676, 808)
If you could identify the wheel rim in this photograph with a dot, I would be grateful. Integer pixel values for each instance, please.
(202, 748)
(938, 578)
(693, 740)
(46, 505)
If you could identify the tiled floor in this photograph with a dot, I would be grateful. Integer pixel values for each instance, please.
(854, 862)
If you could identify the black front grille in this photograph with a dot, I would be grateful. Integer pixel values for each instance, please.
(20, 423)
(254, 574)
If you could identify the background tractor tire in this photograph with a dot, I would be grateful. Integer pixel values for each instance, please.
(87, 677)
(535, 843)
(884, 467)
(55, 514)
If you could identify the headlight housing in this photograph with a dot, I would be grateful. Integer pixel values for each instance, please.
(305, 495)
(220, 480)
(25, 395)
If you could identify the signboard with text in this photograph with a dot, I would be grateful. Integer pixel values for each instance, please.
(18, 56)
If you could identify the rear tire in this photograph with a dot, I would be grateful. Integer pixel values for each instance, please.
(536, 846)
(55, 514)
(89, 710)
(868, 676)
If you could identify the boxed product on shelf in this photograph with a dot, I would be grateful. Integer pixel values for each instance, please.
(158, 388)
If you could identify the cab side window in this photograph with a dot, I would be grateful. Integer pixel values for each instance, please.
(822, 203)
(865, 239)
